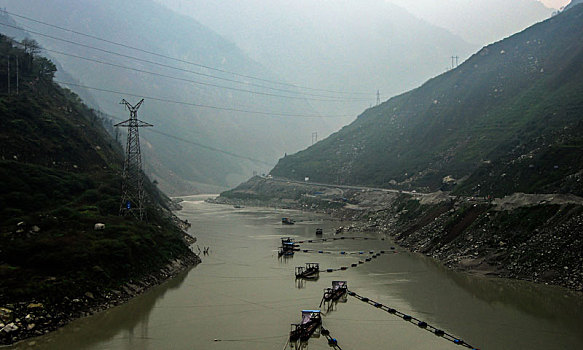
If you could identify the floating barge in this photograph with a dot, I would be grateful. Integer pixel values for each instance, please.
(311, 322)
(287, 221)
(288, 246)
(310, 271)
(338, 290)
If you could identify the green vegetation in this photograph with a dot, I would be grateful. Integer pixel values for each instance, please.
(60, 174)
(506, 120)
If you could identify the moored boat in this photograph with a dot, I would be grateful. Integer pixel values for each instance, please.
(288, 246)
(338, 290)
(310, 271)
(311, 322)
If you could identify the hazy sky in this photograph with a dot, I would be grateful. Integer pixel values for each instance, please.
(555, 3)
(480, 22)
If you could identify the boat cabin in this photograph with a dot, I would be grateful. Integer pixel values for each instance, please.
(311, 270)
(308, 327)
(288, 246)
(338, 291)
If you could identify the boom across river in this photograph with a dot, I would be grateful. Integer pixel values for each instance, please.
(311, 323)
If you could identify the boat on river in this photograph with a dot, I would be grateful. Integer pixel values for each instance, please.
(338, 291)
(309, 326)
(288, 247)
(310, 271)
(287, 221)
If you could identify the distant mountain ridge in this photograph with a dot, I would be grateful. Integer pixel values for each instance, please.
(479, 21)
(509, 119)
(179, 166)
(351, 46)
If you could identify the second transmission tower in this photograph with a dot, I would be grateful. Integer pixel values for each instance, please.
(132, 197)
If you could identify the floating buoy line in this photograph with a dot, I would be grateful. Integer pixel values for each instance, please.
(331, 341)
(336, 239)
(315, 269)
(343, 252)
(421, 324)
(373, 255)
(304, 330)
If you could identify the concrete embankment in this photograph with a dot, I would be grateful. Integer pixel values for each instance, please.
(532, 237)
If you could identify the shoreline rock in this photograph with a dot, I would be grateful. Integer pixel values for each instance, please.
(25, 319)
(537, 238)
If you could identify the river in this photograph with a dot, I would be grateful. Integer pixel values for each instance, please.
(242, 296)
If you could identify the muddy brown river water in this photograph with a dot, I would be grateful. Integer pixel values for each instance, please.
(243, 296)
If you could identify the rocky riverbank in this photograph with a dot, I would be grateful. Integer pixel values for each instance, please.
(25, 319)
(538, 238)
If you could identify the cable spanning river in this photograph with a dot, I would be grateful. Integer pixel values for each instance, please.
(243, 296)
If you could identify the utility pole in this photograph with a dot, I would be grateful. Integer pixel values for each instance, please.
(456, 60)
(17, 82)
(378, 97)
(132, 197)
(8, 74)
(314, 137)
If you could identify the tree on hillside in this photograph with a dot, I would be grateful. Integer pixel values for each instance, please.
(45, 68)
(31, 46)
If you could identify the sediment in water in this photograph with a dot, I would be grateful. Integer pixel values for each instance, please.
(537, 238)
(25, 319)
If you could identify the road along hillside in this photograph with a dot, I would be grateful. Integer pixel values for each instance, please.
(534, 237)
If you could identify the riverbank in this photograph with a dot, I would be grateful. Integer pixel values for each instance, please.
(538, 238)
(36, 316)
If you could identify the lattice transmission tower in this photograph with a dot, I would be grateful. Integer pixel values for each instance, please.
(132, 196)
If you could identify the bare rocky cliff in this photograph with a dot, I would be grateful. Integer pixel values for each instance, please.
(538, 238)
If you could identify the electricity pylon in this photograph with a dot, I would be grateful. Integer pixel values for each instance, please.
(132, 196)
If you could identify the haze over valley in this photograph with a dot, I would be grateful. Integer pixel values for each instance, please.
(337, 54)
(253, 174)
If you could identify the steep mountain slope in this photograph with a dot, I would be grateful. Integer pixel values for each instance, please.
(352, 46)
(573, 3)
(509, 118)
(60, 174)
(179, 166)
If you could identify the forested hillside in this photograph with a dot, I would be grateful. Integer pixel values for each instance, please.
(60, 174)
(181, 68)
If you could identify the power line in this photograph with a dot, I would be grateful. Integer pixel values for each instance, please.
(235, 155)
(194, 81)
(325, 99)
(210, 148)
(180, 69)
(183, 61)
(272, 114)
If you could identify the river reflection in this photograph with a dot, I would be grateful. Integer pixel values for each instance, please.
(244, 297)
(129, 323)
